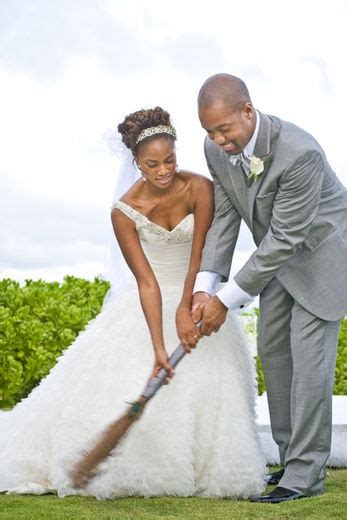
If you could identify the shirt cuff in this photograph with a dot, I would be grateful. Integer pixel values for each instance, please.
(207, 281)
(233, 297)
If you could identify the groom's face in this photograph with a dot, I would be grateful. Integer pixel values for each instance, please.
(229, 128)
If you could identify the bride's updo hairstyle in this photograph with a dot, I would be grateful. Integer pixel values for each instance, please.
(145, 125)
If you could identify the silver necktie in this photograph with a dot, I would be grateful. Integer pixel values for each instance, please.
(244, 163)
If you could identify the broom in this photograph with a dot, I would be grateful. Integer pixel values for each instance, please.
(84, 469)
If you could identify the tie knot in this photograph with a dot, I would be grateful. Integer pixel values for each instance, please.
(235, 159)
(241, 158)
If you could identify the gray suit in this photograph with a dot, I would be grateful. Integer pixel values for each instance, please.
(297, 213)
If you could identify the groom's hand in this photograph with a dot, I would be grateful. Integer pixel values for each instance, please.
(199, 298)
(214, 313)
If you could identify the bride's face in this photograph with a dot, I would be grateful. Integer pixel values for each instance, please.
(229, 128)
(157, 161)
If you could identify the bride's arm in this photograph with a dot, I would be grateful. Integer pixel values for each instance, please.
(201, 193)
(149, 291)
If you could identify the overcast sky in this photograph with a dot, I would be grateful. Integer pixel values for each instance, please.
(70, 70)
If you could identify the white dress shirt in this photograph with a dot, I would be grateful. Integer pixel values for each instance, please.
(248, 150)
(231, 294)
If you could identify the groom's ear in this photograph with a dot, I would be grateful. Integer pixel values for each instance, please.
(248, 110)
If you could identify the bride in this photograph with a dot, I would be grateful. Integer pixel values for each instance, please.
(198, 435)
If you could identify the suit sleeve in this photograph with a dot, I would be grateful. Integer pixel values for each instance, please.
(295, 207)
(222, 236)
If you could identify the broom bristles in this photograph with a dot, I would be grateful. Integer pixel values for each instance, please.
(82, 471)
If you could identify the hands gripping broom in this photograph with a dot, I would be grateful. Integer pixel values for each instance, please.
(84, 469)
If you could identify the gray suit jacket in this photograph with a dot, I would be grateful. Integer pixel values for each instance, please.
(297, 213)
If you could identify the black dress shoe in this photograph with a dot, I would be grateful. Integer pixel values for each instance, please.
(277, 495)
(274, 478)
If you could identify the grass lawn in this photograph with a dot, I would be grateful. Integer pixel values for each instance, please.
(332, 505)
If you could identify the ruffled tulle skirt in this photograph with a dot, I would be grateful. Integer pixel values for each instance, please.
(196, 437)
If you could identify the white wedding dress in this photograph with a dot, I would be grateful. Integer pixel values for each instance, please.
(196, 437)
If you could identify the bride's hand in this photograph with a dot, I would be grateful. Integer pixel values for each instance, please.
(187, 331)
(162, 361)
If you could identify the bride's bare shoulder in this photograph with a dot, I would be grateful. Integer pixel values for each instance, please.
(131, 196)
(199, 187)
(195, 179)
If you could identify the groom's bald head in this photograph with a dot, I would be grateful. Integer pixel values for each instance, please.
(226, 112)
(223, 89)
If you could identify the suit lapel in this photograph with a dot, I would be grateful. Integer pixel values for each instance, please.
(262, 148)
(238, 181)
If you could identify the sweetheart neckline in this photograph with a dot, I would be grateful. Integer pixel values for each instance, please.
(154, 223)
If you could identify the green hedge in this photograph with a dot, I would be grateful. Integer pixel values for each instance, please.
(37, 322)
(40, 319)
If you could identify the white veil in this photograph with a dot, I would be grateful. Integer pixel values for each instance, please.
(116, 270)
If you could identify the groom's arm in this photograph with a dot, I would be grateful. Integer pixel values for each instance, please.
(295, 207)
(218, 253)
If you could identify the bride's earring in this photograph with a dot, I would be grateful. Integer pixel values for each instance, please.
(142, 175)
(177, 169)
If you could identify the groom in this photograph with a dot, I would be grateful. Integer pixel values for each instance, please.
(275, 177)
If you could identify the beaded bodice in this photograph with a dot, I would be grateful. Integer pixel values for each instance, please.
(168, 252)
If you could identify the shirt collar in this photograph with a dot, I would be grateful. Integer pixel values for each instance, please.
(249, 148)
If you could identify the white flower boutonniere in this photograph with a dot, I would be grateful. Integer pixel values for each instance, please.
(257, 165)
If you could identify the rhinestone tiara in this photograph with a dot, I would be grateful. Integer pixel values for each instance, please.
(153, 130)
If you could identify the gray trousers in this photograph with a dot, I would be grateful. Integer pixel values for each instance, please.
(298, 354)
